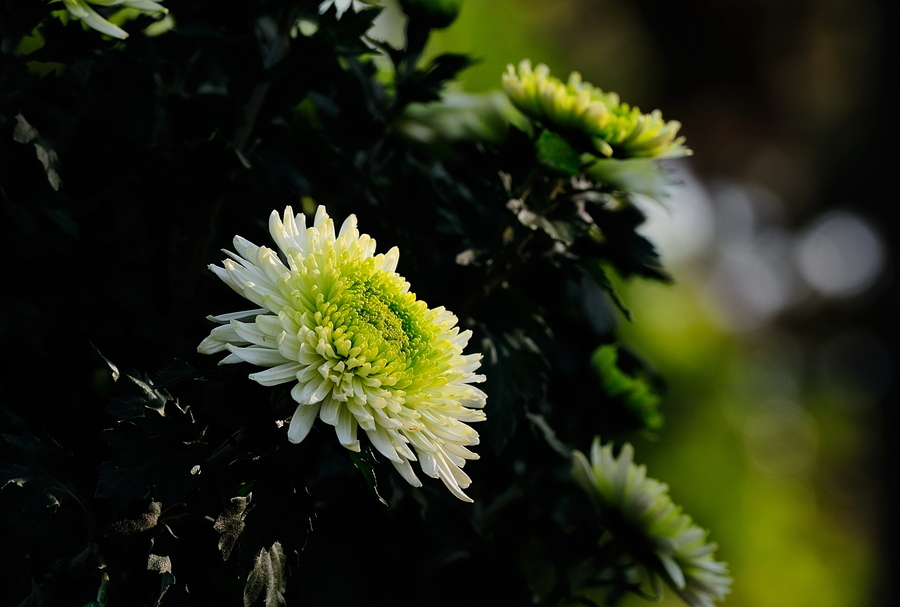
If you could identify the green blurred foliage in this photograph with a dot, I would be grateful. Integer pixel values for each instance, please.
(742, 86)
(786, 541)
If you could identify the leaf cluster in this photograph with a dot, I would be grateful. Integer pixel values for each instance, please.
(125, 167)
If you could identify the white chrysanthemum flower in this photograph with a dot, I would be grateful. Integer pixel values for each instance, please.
(81, 9)
(364, 352)
(623, 491)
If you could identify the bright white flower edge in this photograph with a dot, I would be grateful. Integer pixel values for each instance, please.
(685, 557)
(339, 322)
(81, 9)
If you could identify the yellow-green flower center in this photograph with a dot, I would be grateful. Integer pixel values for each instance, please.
(365, 320)
(385, 317)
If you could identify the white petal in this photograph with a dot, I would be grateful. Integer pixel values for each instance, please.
(349, 224)
(301, 422)
(389, 263)
(280, 374)
(304, 391)
(250, 333)
(223, 318)
(324, 389)
(321, 218)
(361, 413)
(407, 473)
(329, 411)
(449, 480)
(429, 466)
(81, 10)
(672, 569)
(273, 268)
(277, 229)
(460, 452)
(269, 326)
(231, 359)
(148, 6)
(289, 346)
(346, 429)
(225, 277)
(218, 340)
(264, 357)
(244, 247)
(382, 442)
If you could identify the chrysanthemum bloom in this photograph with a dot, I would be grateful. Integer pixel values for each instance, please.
(363, 352)
(640, 507)
(81, 9)
(613, 127)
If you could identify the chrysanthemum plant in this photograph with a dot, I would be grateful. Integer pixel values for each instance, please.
(402, 302)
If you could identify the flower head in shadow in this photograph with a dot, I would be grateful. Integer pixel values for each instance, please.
(639, 507)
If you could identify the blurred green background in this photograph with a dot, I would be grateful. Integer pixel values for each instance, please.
(776, 339)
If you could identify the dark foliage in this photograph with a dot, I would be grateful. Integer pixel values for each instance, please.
(125, 167)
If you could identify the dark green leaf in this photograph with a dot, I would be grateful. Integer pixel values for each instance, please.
(176, 373)
(426, 85)
(445, 67)
(159, 465)
(598, 273)
(555, 153)
(622, 246)
(515, 369)
(140, 393)
(549, 435)
(35, 465)
(364, 465)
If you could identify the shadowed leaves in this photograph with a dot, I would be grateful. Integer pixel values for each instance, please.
(266, 582)
(36, 465)
(230, 524)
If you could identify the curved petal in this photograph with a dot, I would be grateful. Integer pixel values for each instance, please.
(302, 421)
